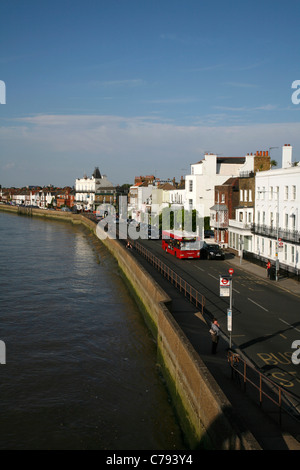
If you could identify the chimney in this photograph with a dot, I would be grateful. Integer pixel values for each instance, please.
(287, 156)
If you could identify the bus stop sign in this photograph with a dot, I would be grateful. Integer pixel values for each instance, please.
(225, 286)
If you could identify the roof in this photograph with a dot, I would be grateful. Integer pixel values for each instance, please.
(231, 160)
(97, 174)
(166, 186)
(219, 207)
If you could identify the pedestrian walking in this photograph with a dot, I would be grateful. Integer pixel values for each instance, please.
(215, 332)
(269, 268)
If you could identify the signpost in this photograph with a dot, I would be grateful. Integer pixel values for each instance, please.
(226, 291)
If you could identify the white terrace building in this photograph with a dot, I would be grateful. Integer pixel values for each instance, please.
(277, 209)
(212, 171)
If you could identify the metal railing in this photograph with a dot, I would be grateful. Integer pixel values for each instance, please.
(266, 390)
(189, 291)
(274, 232)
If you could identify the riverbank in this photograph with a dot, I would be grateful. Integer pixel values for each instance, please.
(199, 401)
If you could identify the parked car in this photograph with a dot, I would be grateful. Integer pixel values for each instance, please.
(211, 251)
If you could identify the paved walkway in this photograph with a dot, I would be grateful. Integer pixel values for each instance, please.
(262, 423)
(285, 283)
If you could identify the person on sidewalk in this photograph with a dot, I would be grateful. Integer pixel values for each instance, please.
(215, 332)
(268, 268)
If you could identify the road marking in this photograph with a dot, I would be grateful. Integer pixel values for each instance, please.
(235, 290)
(291, 326)
(213, 276)
(201, 269)
(258, 304)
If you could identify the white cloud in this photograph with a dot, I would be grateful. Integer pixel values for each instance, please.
(62, 147)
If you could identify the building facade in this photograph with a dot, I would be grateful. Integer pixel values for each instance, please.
(226, 200)
(212, 171)
(276, 228)
(240, 234)
(94, 191)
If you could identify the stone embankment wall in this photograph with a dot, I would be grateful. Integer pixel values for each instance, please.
(205, 415)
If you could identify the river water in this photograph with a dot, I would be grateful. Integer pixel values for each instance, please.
(80, 368)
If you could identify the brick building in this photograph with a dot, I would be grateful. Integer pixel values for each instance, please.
(226, 200)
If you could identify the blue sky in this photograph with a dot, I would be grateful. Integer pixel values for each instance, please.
(143, 87)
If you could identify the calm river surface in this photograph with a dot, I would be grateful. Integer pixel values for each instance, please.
(80, 368)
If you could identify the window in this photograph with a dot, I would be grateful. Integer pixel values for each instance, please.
(271, 192)
(250, 195)
(286, 220)
(245, 195)
(241, 195)
(286, 192)
(293, 254)
(285, 252)
(294, 192)
(191, 185)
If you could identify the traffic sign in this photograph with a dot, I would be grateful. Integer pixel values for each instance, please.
(225, 286)
(229, 319)
(224, 281)
(231, 271)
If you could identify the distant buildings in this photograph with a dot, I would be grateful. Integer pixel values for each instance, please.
(252, 209)
(94, 191)
(41, 197)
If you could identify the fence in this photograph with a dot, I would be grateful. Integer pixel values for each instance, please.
(265, 389)
(284, 270)
(189, 291)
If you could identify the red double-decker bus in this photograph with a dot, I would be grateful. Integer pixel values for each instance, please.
(181, 244)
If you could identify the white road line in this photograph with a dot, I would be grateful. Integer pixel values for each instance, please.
(236, 291)
(213, 277)
(201, 269)
(291, 326)
(258, 304)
